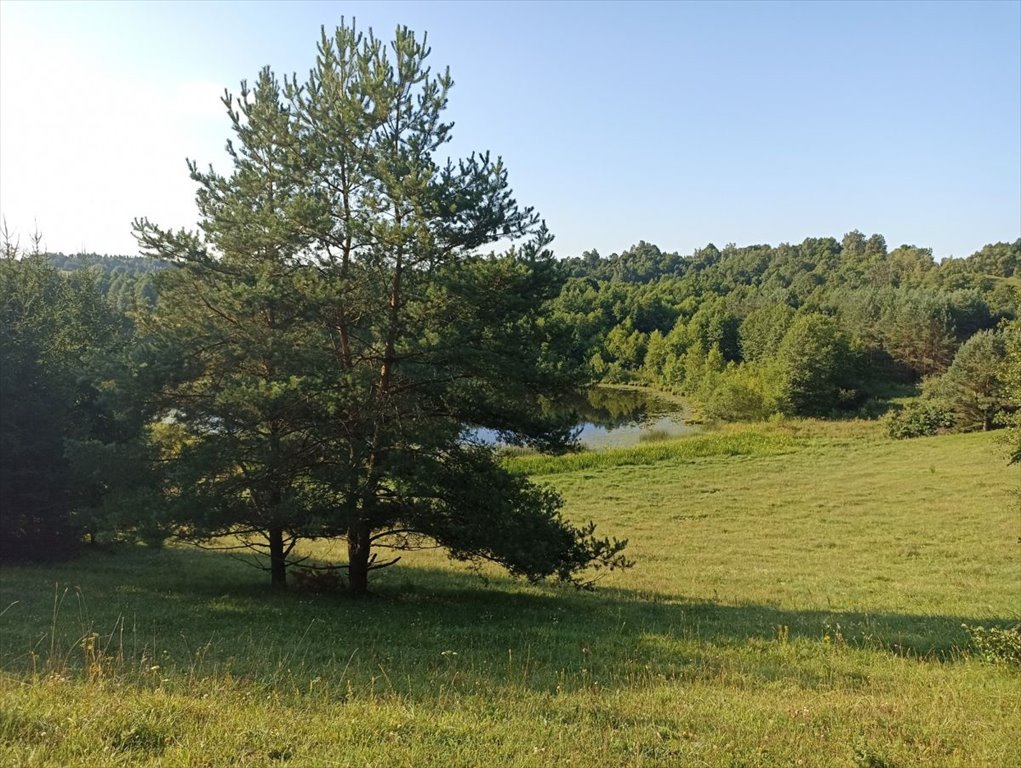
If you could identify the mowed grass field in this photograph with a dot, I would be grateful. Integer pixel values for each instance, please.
(798, 599)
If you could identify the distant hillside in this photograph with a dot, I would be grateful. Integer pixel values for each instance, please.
(854, 260)
(125, 281)
(108, 264)
(820, 327)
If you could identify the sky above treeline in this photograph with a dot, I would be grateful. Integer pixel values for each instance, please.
(675, 123)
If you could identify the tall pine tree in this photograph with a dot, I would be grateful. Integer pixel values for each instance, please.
(327, 342)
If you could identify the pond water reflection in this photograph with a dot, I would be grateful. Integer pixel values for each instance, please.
(618, 417)
(613, 416)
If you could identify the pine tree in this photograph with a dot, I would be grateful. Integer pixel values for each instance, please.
(973, 387)
(52, 327)
(326, 343)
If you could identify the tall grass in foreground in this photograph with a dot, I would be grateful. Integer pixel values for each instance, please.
(800, 599)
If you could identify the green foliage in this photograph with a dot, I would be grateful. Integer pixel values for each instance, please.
(972, 387)
(919, 418)
(625, 349)
(127, 282)
(1010, 377)
(763, 329)
(53, 330)
(327, 340)
(978, 390)
(1002, 259)
(814, 366)
(902, 314)
(713, 326)
(657, 355)
(917, 329)
(740, 393)
(997, 645)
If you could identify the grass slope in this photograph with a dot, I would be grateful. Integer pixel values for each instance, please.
(798, 600)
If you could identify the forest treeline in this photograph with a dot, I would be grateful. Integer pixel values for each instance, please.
(827, 327)
(127, 282)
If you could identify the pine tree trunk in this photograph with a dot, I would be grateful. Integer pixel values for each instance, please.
(277, 559)
(358, 547)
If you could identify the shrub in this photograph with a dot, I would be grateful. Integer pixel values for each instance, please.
(997, 645)
(919, 418)
(739, 393)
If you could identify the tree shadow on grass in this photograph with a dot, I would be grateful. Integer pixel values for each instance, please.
(202, 612)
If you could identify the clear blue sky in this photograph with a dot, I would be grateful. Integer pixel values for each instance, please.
(676, 123)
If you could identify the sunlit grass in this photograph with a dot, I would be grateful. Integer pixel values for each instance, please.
(746, 442)
(798, 600)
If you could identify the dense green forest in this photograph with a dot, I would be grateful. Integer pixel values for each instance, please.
(127, 282)
(826, 327)
(821, 328)
(708, 323)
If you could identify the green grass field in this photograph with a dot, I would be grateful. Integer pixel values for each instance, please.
(798, 599)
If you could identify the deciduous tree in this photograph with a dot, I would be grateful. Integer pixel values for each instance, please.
(812, 365)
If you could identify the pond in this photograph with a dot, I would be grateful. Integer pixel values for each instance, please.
(620, 417)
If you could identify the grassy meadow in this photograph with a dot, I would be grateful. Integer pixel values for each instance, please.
(798, 599)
